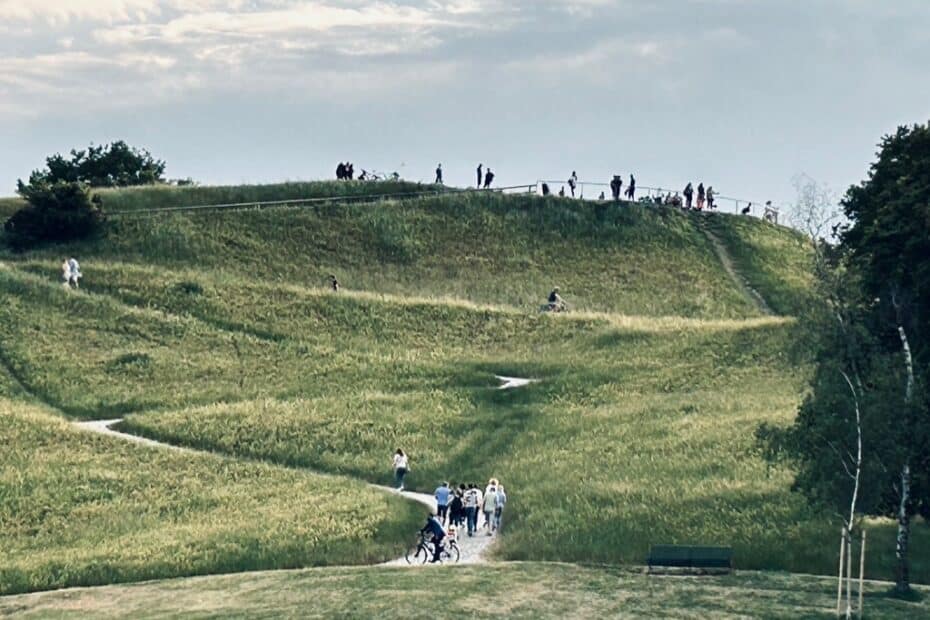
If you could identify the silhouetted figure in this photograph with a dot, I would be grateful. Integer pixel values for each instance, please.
(688, 193)
(480, 174)
(350, 171)
(545, 189)
(341, 171)
(573, 182)
(562, 192)
(747, 210)
(700, 200)
(631, 189)
(616, 184)
(710, 197)
(439, 174)
(488, 178)
(602, 196)
(334, 283)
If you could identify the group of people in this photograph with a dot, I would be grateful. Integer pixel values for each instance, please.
(345, 171)
(71, 273)
(465, 505)
(484, 176)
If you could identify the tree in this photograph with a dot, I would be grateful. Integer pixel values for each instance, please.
(60, 211)
(888, 241)
(112, 165)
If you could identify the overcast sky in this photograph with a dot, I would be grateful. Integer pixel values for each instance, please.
(740, 94)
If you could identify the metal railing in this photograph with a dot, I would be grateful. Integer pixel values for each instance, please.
(757, 208)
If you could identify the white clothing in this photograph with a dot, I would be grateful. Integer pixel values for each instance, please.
(400, 461)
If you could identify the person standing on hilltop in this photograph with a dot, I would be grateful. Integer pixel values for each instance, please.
(631, 189)
(710, 197)
(573, 182)
(700, 200)
(341, 171)
(688, 193)
(480, 174)
(401, 468)
(439, 174)
(488, 179)
(616, 185)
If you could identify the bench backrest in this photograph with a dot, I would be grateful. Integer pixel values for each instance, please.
(690, 556)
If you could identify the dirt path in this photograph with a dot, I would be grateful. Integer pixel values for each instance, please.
(727, 261)
(474, 550)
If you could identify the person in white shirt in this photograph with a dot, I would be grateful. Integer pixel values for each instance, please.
(501, 501)
(400, 468)
(74, 272)
(473, 500)
(488, 505)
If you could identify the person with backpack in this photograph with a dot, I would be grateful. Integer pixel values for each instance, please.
(473, 500)
(487, 505)
(688, 193)
(401, 468)
(442, 495)
(456, 509)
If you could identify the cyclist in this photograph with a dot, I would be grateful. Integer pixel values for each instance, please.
(434, 527)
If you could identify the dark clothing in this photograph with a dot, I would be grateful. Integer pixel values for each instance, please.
(488, 179)
(443, 512)
(438, 176)
(480, 174)
(471, 515)
(545, 189)
(340, 171)
(553, 297)
(436, 528)
(615, 186)
(455, 510)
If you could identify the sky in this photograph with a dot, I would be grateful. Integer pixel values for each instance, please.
(740, 94)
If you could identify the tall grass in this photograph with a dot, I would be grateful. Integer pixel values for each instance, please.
(80, 509)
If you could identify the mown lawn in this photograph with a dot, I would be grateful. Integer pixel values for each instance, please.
(525, 590)
(80, 509)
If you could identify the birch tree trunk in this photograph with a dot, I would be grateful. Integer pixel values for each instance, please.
(902, 581)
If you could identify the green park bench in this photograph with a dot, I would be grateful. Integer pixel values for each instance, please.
(690, 557)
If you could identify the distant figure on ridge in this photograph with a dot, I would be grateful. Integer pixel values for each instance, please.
(545, 189)
(488, 178)
(334, 283)
(688, 193)
(700, 200)
(341, 171)
(562, 192)
(480, 174)
(439, 174)
(602, 196)
(350, 171)
(616, 184)
(710, 197)
(573, 182)
(747, 210)
(631, 189)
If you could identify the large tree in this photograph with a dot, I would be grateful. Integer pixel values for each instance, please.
(110, 165)
(888, 241)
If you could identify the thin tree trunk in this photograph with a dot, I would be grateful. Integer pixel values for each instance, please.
(904, 521)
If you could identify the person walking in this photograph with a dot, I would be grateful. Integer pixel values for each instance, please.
(488, 505)
(473, 501)
(688, 193)
(401, 467)
(710, 197)
(439, 174)
(700, 200)
(456, 509)
(480, 174)
(500, 502)
(488, 178)
(631, 188)
(573, 182)
(74, 273)
(442, 495)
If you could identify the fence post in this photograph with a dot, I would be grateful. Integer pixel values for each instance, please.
(839, 589)
(861, 572)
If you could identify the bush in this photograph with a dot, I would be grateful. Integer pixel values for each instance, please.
(113, 165)
(61, 211)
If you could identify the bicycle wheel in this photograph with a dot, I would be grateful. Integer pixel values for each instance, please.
(417, 555)
(450, 553)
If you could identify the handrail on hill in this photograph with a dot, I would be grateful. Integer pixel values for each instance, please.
(262, 204)
(757, 208)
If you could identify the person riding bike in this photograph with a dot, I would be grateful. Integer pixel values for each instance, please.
(434, 527)
(556, 303)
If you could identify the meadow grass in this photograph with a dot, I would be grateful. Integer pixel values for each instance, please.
(82, 509)
(524, 590)
(489, 249)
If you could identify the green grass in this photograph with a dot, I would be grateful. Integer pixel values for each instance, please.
(490, 249)
(776, 261)
(9, 206)
(216, 331)
(509, 591)
(80, 509)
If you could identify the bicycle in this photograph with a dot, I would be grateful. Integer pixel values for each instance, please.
(423, 551)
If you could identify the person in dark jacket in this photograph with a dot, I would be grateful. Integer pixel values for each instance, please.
(480, 174)
(434, 527)
(688, 193)
(439, 174)
(631, 188)
(616, 184)
(488, 178)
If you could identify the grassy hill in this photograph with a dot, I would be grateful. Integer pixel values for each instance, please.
(214, 330)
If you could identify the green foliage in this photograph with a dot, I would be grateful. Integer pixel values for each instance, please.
(79, 509)
(111, 165)
(56, 212)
